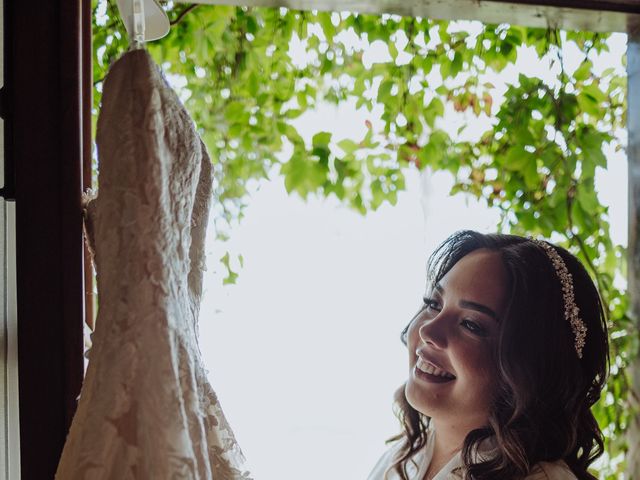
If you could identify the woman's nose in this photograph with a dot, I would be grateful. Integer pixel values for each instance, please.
(434, 331)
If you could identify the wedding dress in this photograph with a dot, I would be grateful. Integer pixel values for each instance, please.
(146, 410)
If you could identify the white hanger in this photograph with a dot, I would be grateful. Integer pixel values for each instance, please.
(145, 20)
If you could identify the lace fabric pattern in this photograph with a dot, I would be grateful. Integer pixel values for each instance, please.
(147, 410)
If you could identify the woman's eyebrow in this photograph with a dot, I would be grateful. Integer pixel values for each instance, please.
(470, 305)
(479, 307)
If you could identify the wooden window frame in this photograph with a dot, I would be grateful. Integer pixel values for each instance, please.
(46, 103)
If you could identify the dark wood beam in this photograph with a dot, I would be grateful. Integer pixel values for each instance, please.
(43, 71)
(592, 15)
(628, 6)
(633, 253)
(87, 173)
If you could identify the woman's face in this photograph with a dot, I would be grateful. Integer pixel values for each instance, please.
(452, 341)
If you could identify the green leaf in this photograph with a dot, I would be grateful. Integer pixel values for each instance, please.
(321, 139)
(235, 113)
(384, 91)
(588, 199)
(594, 91)
(327, 26)
(588, 104)
(530, 172)
(518, 159)
(591, 143)
(393, 50)
(583, 71)
(294, 113)
(434, 110)
(433, 153)
(348, 146)
(231, 275)
(456, 64)
(253, 84)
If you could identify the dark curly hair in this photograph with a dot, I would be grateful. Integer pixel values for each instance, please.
(542, 408)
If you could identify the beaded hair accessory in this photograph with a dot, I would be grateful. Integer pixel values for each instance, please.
(571, 310)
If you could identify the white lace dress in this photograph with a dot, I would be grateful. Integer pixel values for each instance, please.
(146, 410)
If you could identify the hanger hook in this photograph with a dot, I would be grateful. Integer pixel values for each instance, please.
(145, 21)
(138, 23)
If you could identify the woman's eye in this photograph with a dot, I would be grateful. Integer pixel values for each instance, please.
(474, 327)
(430, 304)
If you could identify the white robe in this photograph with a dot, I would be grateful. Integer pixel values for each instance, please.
(454, 469)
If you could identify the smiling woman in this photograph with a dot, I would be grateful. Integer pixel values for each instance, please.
(452, 343)
(506, 357)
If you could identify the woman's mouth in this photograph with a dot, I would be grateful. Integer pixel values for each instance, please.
(430, 372)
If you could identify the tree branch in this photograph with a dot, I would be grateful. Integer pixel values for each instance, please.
(182, 14)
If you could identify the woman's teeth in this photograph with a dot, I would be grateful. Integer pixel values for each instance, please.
(431, 369)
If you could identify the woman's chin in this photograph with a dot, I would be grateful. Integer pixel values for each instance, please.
(420, 400)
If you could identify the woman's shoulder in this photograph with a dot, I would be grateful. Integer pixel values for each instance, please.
(551, 471)
(389, 457)
(385, 461)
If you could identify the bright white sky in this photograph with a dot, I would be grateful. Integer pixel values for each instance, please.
(304, 350)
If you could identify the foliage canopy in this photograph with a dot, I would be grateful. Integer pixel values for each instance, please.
(536, 160)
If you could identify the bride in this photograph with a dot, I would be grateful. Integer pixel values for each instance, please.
(507, 355)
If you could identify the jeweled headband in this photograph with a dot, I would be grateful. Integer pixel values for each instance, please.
(571, 310)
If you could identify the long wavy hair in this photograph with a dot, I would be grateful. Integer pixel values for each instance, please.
(542, 407)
